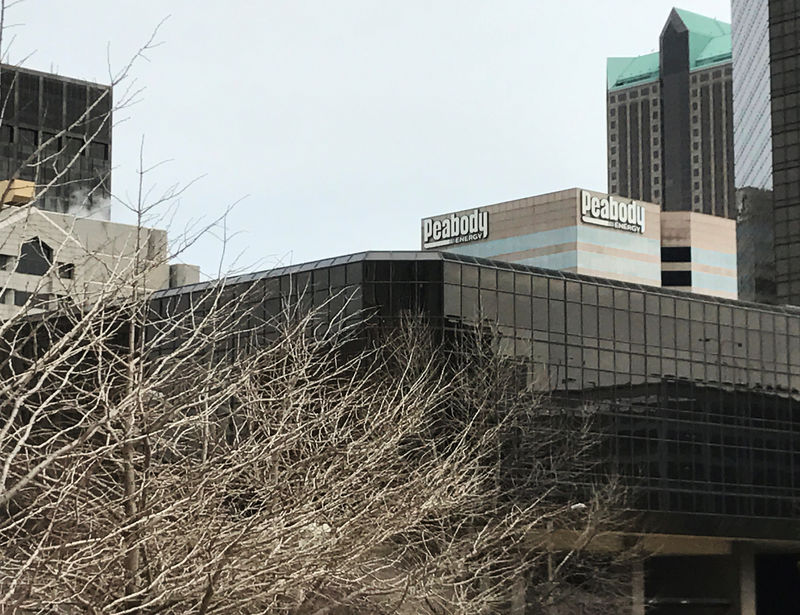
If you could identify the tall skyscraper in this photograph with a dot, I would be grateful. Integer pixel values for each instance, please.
(670, 124)
(74, 117)
(766, 58)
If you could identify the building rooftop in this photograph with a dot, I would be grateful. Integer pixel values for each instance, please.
(709, 44)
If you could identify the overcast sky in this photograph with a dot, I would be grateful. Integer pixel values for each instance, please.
(340, 123)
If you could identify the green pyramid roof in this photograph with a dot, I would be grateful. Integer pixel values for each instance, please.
(709, 44)
(624, 72)
(709, 39)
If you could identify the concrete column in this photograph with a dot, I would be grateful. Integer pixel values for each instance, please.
(637, 588)
(747, 579)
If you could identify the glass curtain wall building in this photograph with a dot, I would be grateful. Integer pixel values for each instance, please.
(766, 57)
(701, 395)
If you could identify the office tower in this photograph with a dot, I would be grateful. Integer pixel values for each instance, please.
(766, 57)
(670, 122)
(74, 117)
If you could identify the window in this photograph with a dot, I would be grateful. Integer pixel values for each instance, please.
(676, 278)
(65, 270)
(676, 255)
(21, 297)
(28, 138)
(6, 262)
(35, 257)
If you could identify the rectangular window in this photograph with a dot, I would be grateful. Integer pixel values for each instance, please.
(66, 270)
(676, 255)
(20, 297)
(676, 278)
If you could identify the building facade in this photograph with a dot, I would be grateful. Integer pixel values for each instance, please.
(701, 396)
(48, 258)
(56, 132)
(767, 127)
(670, 120)
(592, 233)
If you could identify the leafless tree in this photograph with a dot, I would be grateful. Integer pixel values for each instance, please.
(198, 462)
(206, 458)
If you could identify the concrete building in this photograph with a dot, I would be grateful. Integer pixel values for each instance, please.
(669, 121)
(47, 258)
(592, 233)
(68, 121)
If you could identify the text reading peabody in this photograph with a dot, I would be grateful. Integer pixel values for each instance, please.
(612, 213)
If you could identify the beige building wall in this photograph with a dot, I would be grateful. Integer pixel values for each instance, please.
(88, 256)
(549, 231)
(710, 244)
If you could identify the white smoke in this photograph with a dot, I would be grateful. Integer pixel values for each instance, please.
(84, 203)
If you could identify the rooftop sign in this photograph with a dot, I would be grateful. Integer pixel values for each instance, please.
(609, 212)
(455, 229)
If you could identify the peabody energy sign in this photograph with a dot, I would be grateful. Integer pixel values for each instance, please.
(608, 211)
(455, 229)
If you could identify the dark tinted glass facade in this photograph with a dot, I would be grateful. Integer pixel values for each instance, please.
(753, 156)
(767, 61)
(77, 164)
(751, 94)
(784, 22)
(700, 396)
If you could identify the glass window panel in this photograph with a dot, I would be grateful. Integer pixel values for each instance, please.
(540, 318)
(355, 273)
(505, 280)
(337, 276)
(637, 328)
(522, 283)
(469, 275)
(589, 294)
(573, 291)
(488, 307)
(606, 322)
(506, 308)
(540, 286)
(589, 320)
(470, 305)
(488, 277)
(621, 326)
(452, 300)
(522, 311)
(557, 316)
(574, 320)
